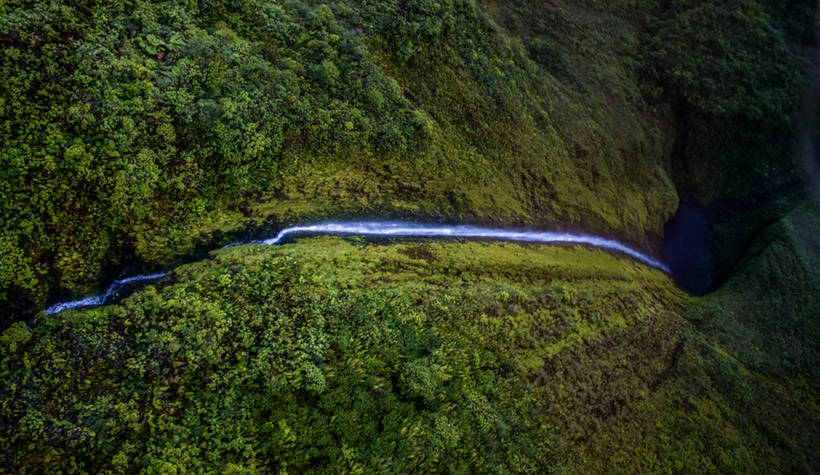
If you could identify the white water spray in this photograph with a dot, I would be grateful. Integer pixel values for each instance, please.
(416, 230)
(396, 229)
(96, 300)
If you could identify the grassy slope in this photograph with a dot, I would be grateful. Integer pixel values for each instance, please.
(134, 132)
(335, 354)
(152, 137)
(758, 343)
(769, 312)
(403, 356)
(331, 354)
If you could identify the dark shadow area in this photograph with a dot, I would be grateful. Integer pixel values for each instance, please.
(687, 248)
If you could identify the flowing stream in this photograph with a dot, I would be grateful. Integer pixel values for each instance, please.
(389, 229)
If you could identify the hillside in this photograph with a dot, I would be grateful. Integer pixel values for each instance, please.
(142, 135)
(331, 355)
(135, 133)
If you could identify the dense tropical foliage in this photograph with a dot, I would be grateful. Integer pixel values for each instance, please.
(137, 134)
(135, 131)
(329, 356)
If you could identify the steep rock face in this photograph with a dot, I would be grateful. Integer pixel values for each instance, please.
(768, 313)
(333, 354)
(137, 132)
(731, 83)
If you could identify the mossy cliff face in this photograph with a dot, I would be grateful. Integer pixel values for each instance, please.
(768, 313)
(135, 132)
(331, 355)
(337, 355)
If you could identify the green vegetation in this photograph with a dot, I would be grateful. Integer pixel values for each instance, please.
(136, 131)
(767, 312)
(743, 393)
(733, 73)
(766, 320)
(335, 355)
(331, 356)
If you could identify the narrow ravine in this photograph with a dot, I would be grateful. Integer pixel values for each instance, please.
(390, 229)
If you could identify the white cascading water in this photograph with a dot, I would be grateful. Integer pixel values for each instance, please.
(96, 300)
(461, 231)
(396, 229)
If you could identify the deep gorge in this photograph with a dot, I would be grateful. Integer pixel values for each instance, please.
(140, 139)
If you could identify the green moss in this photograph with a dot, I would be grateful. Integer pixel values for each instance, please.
(324, 353)
(766, 312)
(334, 354)
(162, 128)
(149, 129)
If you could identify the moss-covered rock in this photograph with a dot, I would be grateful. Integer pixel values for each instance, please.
(138, 132)
(334, 354)
(331, 355)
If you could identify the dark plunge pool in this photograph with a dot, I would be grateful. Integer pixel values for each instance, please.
(687, 248)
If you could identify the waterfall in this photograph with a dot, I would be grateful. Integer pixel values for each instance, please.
(96, 300)
(395, 229)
